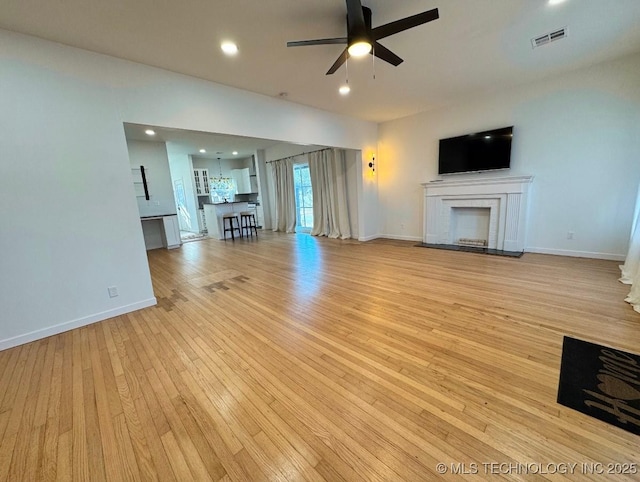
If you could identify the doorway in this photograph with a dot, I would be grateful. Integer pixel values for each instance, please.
(304, 198)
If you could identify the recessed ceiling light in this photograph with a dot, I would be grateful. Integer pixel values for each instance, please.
(487, 137)
(344, 89)
(229, 48)
(235, 153)
(555, 2)
(202, 151)
(150, 132)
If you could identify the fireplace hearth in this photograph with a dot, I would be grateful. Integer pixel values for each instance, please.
(472, 249)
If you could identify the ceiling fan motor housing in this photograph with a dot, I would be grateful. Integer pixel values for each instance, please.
(360, 32)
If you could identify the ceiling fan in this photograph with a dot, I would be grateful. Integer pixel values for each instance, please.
(361, 39)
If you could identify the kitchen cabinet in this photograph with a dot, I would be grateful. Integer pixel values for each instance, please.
(161, 231)
(242, 179)
(171, 230)
(201, 181)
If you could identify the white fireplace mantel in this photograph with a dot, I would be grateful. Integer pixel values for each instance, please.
(506, 197)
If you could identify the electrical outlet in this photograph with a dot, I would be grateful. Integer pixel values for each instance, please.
(570, 234)
(113, 291)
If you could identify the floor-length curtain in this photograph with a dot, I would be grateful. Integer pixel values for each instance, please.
(327, 169)
(631, 267)
(284, 195)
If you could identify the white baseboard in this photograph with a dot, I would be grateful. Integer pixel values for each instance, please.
(400, 237)
(70, 325)
(576, 254)
(368, 238)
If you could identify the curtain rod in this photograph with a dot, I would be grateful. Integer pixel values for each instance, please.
(301, 154)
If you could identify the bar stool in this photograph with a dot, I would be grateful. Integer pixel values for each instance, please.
(248, 223)
(227, 225)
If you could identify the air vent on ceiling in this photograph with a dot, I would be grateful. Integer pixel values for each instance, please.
(549, 37)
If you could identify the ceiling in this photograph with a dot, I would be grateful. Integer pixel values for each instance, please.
(186, 142)
(476, 46)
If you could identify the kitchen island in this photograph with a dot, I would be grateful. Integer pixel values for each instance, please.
(213, 214)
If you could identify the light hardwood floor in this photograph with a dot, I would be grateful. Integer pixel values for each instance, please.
(297, 358)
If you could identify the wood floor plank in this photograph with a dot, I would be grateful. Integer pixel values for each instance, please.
(96, 451)
(126, 453)
(7, 386)
(107, 406)
(160, 467)
(21, 420)
(64, 471)
(14, 379)
(198, 420)
(44, 388)
(65, 417)
(179, 438)
(80, 462)
(134, 429)
(292, 357)
(176, 458)
(34, 459)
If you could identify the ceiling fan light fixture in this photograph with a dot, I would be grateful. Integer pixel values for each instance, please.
(344, 89)
(359, 49)
(229, 48)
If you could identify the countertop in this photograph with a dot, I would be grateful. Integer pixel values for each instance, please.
(228, 202)
(157, 216)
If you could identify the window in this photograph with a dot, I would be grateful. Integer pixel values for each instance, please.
(223, 189)
(304, 197)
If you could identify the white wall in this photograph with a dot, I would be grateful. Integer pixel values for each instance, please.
(264, 208)
(578, 134)
(69, 215)
(70, 226)
(153, 156)
(350, 159)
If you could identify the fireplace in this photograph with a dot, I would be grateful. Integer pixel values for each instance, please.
(470, 226)
(484, 212)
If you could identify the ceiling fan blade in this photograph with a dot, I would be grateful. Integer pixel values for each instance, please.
(355, 19)
(341, 60)
(385, 54)
(320, 41)
(404, 24)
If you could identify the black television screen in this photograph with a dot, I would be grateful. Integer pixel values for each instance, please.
(481, 151)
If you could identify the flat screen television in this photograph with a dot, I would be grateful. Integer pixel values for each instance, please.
(482, 151)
